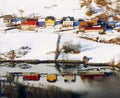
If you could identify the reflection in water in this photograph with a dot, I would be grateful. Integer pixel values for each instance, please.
(83, 87)
(101, 87)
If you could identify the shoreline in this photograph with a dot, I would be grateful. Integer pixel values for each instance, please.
(66, 62)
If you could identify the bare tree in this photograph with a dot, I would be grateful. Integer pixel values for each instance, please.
(69, 46)
(12, 55)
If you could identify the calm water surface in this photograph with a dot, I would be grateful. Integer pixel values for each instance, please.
(107, 87)
(102, 87)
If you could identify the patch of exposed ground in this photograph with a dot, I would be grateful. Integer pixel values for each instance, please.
(111, 41)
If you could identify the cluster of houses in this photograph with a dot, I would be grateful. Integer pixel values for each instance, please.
(93, 25)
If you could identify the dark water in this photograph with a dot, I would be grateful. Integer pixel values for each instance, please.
(107, 87)
(97, 87)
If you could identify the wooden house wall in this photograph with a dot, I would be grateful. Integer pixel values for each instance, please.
(67, 24)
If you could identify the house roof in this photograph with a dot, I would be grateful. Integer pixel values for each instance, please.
(15, 19)
(23, 19)
(41, 19)
(7, 17)
(50, 17)
(66, 18)
(32, 19)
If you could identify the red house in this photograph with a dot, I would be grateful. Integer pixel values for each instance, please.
(30, 24)
(94, 29)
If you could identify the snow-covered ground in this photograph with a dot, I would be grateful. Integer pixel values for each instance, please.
(97, 52)
(112, 34)
(57, 8)
(42, 45)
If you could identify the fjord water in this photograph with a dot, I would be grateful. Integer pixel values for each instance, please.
(107, 87)
(98, 87)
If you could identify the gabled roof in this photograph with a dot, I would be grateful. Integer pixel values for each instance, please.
(50, 17)
(68, 18)
(7, 17)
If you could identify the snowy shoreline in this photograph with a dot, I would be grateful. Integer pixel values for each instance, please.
(42, 46)
(67, 62)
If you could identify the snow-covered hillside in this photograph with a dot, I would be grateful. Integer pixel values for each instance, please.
(57, 8)
(97, 52)
(60, 8)
(42, 44)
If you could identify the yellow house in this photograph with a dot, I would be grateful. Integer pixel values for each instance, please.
(50, 21)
